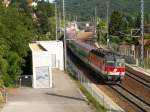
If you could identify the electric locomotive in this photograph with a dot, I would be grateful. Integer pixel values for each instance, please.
(110, 65)
(106, 64)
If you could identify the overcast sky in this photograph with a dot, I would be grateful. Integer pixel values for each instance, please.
(51, 1)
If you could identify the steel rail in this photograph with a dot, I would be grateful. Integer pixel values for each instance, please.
(132, 98)
(135, 74)
(138, 79)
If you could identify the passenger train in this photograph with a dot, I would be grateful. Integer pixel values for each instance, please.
(109, 66)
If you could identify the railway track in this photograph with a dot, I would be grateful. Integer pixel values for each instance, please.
(139, 79)
(137, 102)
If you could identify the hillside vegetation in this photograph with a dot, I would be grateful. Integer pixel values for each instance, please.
(84, 9)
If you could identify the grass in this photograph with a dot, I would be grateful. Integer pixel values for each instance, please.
(147, 63)
(2, 101)
(147, 36)
(95, 105)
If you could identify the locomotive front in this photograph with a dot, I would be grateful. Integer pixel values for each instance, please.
(114, 68)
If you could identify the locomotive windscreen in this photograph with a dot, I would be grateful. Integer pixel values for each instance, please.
(111, 58)
(110, 63)
(120, 62)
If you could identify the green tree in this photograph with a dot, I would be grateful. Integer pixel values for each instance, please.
(130, 21)
(17, 30)
(43, 23)
(45, 8)
(15, 63)
(118, 25)
(15, 34)
(146, 22)
(4, 77)
(138, 21)
(102, 31)
(44, 11)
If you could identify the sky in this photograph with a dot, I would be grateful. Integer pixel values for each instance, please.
(51, 1)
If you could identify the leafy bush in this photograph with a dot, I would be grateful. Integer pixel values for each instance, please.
(16, 31)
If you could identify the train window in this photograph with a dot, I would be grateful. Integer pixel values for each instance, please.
(110, 63)
(119, 64)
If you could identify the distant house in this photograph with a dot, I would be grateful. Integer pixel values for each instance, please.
(34, 4)
(6, 2)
